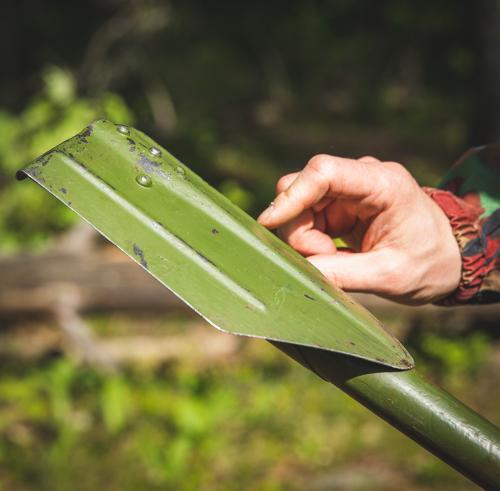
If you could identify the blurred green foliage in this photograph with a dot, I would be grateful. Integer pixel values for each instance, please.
(27, 216)
(452, 357)
(242, 93)
(179, 426)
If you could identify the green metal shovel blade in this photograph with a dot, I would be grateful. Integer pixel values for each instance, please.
(236, 274)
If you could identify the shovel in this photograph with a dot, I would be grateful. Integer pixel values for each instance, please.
(244, 280)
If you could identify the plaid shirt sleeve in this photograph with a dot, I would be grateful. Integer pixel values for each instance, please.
(470, 197)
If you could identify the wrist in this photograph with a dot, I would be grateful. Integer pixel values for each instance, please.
(464, 222)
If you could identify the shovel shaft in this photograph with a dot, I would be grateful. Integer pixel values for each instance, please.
(186, 234)
(424, 412)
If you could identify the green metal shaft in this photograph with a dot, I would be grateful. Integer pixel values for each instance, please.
(244, 280)
(424, 412)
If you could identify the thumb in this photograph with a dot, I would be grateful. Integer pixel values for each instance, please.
(358, 271)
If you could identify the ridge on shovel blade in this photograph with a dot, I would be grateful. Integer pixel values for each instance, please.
(232, 271)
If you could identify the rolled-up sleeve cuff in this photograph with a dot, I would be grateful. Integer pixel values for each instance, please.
(474, 248)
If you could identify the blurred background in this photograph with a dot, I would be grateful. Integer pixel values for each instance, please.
(105, 378)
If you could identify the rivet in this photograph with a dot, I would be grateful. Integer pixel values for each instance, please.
(124, 130)
(180, 171)
(144, 180)
(155, 151)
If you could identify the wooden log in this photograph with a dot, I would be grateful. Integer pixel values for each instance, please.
(101, 281)
(198, 343)
(105, 279)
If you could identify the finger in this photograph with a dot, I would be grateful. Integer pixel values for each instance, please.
(323, 176)
(285, 181)
(361, 272)
(369, 159)
(320, 221)
(302, 235)
(322, 204)
(339, 218)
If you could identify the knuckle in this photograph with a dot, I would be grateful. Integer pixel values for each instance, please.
(288, 194)
(281, 184)
(397, 170)
(398, 177)
(369, 158)
(322, 164)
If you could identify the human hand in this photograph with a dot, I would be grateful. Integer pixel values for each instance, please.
(401, 242)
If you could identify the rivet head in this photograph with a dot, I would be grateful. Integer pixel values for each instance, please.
(124, 130)
(180, 171)
(155, 151)
(144, 180)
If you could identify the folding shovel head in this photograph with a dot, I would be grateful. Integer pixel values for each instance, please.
(232, 271)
